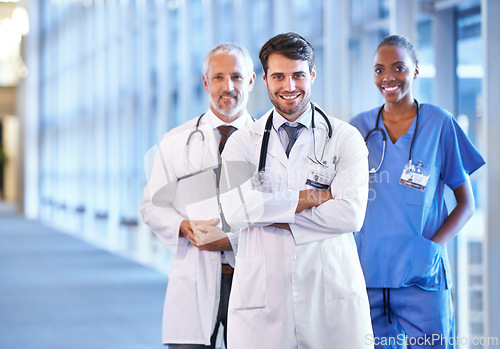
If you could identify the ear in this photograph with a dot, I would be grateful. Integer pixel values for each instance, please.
(205, 83)
(313, 74)
(416, 72)
(264, 77)
(252, 82)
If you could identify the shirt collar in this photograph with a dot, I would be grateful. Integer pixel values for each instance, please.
(304, 119)
(239, 123)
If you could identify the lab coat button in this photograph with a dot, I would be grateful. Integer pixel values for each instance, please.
(295, 294)
(293, 257)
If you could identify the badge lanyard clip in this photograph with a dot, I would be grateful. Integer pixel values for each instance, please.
(415, 177)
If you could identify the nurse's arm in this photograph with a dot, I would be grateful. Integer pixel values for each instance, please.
(462, 212)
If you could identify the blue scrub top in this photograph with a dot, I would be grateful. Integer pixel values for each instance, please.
(393, 244)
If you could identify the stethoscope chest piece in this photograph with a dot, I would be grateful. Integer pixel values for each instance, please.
(258, 178)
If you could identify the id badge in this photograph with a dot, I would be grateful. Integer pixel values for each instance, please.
(415, 177)
(320, 176)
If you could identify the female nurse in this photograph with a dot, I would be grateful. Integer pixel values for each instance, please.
(416, 149)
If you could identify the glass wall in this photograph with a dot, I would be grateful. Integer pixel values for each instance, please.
(469, 75)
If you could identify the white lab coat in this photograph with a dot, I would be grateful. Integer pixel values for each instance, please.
(305, 288)
(193, 290)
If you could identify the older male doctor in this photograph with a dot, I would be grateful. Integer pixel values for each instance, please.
(182, 194)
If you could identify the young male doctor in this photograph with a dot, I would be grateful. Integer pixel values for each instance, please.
(298, 281)
(182, 195)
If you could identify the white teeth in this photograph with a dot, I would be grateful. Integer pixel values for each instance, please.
(390, 89)
(289, 97)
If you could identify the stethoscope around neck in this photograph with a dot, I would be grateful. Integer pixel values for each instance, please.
(258, 177)
(384, 138)
(198, 131)
(188, 144)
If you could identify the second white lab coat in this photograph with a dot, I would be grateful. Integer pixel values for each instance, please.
(305, 288)
(175, 191)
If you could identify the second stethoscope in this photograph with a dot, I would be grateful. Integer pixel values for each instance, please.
(188, 144)
(196, 131)
(384, 138)
(258, 177)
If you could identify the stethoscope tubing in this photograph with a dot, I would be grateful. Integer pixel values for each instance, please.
(267, 133)
(377, 128)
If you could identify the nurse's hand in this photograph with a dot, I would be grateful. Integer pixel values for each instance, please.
(312, 198)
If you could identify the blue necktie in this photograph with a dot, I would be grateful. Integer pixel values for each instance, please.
(293, 133)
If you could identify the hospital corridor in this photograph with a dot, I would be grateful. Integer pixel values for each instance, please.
(60, 292)
(95, 98)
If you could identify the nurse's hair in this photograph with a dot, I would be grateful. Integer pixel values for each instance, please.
(401, 41)
(229, 48)
(291, 45)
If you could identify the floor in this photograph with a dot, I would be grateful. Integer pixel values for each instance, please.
(57, 291)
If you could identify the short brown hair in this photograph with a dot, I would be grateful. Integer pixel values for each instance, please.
(290, 45)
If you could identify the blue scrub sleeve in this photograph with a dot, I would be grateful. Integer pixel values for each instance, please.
(461, 158)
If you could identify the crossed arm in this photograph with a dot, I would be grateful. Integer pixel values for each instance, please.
(308, 198)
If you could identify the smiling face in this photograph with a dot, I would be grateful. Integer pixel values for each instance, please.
(394, 72)
(228, 84)
(289, 84)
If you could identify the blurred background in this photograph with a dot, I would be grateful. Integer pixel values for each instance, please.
(88, 86)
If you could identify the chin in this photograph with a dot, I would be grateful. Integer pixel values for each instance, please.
(230, 114)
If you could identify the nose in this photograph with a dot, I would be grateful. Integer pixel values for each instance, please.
(388, 76)
(229, 85)
(289, 84)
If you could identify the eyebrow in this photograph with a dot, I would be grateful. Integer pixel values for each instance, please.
(398, 62)
(281, 73)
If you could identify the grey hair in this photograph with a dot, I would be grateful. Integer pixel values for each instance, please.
(228, 48)
(401, 41)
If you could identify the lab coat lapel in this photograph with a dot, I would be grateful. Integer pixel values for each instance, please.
(275, 149)
(211, 146)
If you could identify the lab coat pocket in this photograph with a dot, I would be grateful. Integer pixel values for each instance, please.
(249, 285)
(427, 266)
(343, 278)
(184, 262)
